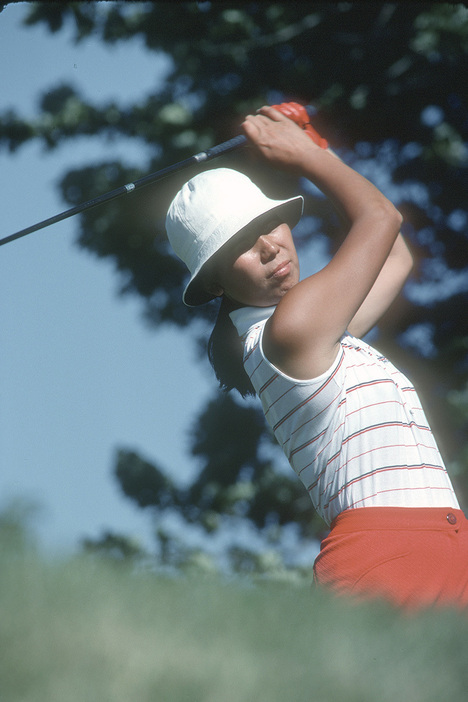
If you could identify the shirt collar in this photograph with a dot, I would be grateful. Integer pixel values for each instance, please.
(246, 317)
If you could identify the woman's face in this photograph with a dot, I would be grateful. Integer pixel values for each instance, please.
(258, 269)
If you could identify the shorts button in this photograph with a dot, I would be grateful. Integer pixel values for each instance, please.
(451, 518)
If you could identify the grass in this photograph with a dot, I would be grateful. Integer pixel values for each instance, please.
(81, 630)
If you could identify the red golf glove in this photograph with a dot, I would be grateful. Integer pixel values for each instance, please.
(299, 115)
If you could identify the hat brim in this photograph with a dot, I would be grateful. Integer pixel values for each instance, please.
(289, 211)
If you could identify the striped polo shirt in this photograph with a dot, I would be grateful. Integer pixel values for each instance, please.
(357, 435)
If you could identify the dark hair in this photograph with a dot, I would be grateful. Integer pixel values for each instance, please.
(225, 351)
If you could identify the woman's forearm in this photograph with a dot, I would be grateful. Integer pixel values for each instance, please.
(285, 145)
(352, 194)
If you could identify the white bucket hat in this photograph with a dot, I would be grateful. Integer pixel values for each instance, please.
(209, 210)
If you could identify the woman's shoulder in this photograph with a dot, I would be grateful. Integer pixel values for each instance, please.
(291, 346)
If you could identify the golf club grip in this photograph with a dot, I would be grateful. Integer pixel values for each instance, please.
(226, 146)
(237, 141)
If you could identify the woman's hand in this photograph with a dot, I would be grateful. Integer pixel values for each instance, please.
(278, 139)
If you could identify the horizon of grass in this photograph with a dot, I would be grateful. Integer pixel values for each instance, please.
(82, 630)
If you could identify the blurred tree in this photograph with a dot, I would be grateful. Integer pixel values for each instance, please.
(389, 84)
(115, 547)
(18, 519)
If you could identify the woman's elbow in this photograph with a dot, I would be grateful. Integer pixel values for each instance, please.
(395, 215)
(386, 215)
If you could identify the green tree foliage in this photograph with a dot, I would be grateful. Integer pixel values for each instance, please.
(17, 526)
(388, 81)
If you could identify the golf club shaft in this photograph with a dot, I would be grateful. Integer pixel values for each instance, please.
(207, 155)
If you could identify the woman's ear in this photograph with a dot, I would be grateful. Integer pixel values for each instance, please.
(208, 281)
(214, 288)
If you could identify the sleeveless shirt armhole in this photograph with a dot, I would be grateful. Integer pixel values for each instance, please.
(301, 381)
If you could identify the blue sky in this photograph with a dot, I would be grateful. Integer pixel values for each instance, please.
(81, 374)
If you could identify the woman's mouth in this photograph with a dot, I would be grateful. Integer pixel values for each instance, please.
(282, 270)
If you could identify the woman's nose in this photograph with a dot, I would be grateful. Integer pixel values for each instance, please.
(268, 250)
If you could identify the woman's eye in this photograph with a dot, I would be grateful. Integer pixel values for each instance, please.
(271, 226)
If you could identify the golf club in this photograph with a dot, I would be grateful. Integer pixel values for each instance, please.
(292, 110)
(207, 155)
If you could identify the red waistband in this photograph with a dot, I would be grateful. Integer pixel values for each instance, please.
(372, 518)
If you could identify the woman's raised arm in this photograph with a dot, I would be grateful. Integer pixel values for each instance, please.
(302, 337)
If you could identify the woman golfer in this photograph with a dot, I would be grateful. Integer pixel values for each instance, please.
(350, 424)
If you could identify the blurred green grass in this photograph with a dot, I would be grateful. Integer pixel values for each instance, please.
(82, 630)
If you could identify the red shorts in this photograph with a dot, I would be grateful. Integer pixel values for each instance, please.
(413, 557)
